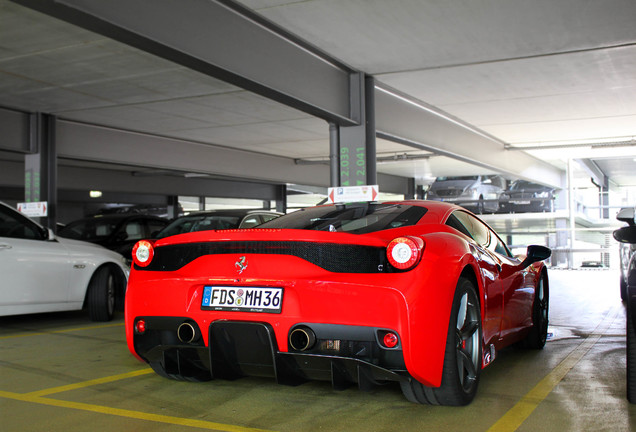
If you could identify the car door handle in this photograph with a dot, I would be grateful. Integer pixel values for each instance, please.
(5, 246)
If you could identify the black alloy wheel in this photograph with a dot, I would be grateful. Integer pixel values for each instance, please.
(538, 335)
(462, 357)
(101, 295)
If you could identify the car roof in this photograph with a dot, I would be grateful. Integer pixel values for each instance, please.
(231, 212)
(437, 211)
(119, 216)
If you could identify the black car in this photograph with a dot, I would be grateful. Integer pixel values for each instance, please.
(626, 250)
(627, 237)
(523, 196)
(118, 232)
(217, 220)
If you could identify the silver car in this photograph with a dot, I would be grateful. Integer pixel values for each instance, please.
(479, 193)
(44, 273)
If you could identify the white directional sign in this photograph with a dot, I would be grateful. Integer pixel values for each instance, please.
(352, 193)
(34, 209)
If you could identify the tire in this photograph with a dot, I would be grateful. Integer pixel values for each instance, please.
(101, 295)
(631, 358)
(462, 356)
(539, 332)
(481, 207)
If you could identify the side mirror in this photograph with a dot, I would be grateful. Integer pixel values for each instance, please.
(626, 234)
(49, 234)
(536, 253)
(626, 215)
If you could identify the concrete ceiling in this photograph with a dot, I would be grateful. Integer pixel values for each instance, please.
(556, 79)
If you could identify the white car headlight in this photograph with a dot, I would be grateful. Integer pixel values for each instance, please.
(470, 192)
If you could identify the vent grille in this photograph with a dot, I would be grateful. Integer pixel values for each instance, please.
(333, 257)
(449, 192)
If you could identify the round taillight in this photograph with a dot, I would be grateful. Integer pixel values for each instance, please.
(143, 252)
(140, 326)
(390, 340)
(404, 252)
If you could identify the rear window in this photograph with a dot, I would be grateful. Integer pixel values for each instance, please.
(90, 229)
(350, 218)
(193, 223)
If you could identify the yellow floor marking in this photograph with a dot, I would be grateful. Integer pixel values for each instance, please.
(63, 331)
(89, 383)
(531, 400)
(137, 415)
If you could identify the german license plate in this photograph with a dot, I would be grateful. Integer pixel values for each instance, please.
(520, 202)
(244, 299)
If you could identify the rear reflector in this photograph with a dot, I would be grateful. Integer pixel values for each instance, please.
(390, 340)
(140, 326)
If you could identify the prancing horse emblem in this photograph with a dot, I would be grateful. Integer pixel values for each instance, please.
(241, 264)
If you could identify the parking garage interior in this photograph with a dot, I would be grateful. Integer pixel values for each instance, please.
(174, 107)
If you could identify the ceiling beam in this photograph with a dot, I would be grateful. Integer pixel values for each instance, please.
(85, 142)
(80, 141)
(228, 41)
(401, 119)
(593, 170)
(225, 40)
(15, 131)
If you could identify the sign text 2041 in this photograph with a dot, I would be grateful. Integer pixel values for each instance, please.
(353, 170)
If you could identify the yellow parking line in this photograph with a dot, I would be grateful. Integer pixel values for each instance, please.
(137, 415)
(89, 383)
(63, 331)
(530, 401)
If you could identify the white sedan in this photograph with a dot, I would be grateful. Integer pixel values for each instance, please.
(40, 272)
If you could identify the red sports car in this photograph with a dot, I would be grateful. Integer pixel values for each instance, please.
(418, 292)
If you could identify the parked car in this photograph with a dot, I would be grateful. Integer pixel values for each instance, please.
(217, 220)
(118, 232)
(44, 273)
(626, 250)
(418, 292)
(524, 196)
(479, 193)
(627, 237)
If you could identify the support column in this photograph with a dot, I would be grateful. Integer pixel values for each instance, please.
(40, 166)
(571, 212)
(369, 109)
(173, 206)
(281, 199)
(561, 242)
(357, 149)
(411, 193)
(603, 199)
(420, 192)
(334, 153)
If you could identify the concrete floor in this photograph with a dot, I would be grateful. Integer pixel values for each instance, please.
(60, 372)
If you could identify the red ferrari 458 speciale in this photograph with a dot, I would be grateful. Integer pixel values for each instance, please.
(419, 292)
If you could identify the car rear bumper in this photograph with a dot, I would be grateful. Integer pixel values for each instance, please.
(343, 355)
